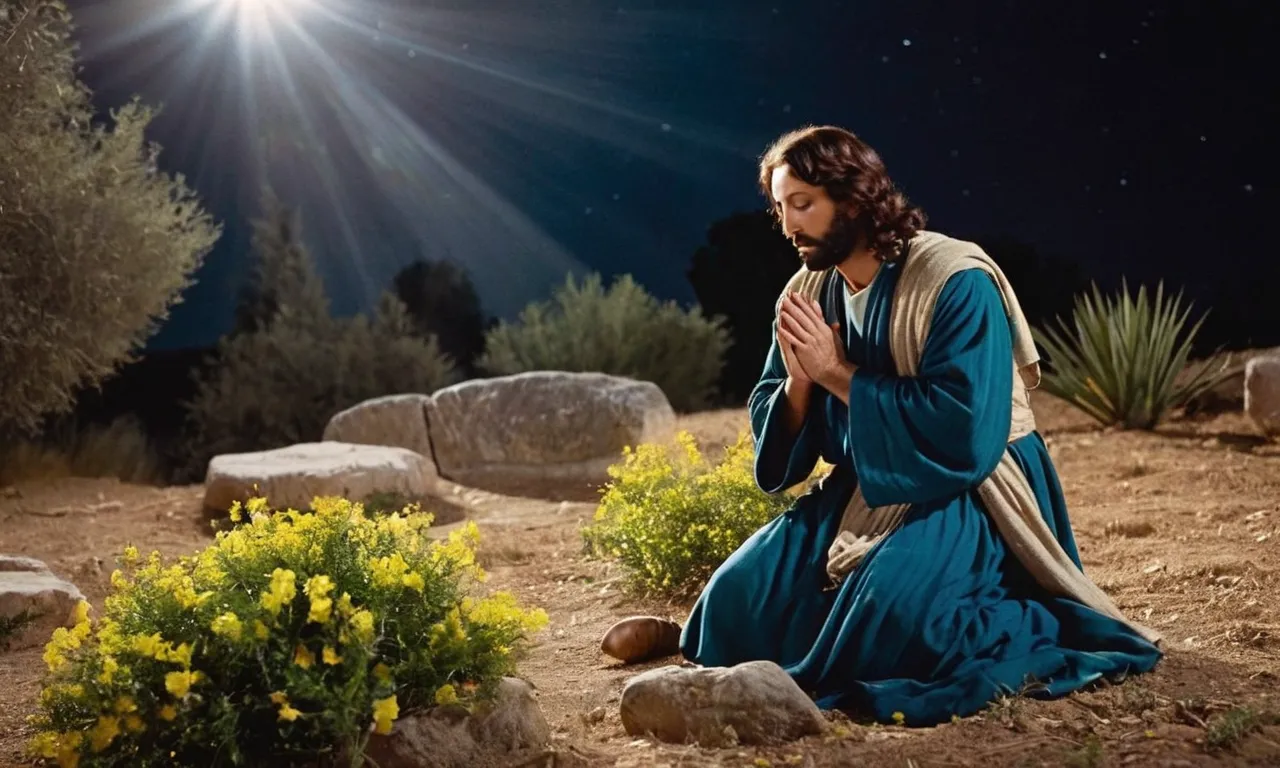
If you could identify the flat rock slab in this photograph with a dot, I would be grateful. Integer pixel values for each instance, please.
(449, 737)
(9, 563)
(543, 425)
(395, 420)
(291, 477)
(755, 702)
(39, 600)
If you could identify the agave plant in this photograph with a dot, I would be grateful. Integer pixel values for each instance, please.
(1124, 361)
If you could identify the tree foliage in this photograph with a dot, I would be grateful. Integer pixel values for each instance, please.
(622, 331)
(284, 279)
(442, 302)
(96, 243)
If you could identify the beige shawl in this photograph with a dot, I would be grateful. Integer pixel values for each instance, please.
(931, 260)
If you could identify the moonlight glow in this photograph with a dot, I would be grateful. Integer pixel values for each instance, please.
(258, 15)
(405, 130)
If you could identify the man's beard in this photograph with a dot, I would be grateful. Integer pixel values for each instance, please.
(839, 242)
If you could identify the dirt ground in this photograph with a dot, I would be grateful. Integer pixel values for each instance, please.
(1181, 527)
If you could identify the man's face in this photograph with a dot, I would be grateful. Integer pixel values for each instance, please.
(822, 232)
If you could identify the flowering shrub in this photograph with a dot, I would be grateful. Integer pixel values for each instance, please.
(672, 517)
(292, 637)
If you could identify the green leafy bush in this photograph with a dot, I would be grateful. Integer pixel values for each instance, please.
(672, 517)
(1123, 359)
(96, 243)
(289, 639)
(623, 331)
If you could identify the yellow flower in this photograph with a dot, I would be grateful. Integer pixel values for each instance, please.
(45, 744)
(64, 639)
(227, 625)
(82, 616)
(318, 588)
(102, 734)
(280, 592)
(414, 581)
(125, 704)
(260, 630)
(331, 656)
(382, 672)
(389, 571)
(286, 711)
(345, 608)
(130, 555)
(235, 511)
(69, 749)
(109, 668)
(167, 712)
(899, 718)
(362, 626)
(179, 683)
(180, 655)
(385, 711)
(446, 694)
(303, 658)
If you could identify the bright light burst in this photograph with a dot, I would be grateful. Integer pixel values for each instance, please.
(257, 15)
(405, 129)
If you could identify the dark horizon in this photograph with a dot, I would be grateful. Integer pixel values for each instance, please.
(1128, 138)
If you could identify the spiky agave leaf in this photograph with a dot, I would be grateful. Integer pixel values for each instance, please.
(1120, 357)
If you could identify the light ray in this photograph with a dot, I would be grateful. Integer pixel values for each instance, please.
(325, 103)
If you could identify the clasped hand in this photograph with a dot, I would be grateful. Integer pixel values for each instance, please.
(811, 349)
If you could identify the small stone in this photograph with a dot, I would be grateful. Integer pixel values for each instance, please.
(447, 737)
(46, 601)
(1130, 529)
(755, 702)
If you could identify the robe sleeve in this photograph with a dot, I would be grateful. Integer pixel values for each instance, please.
(781, 461)
(939, 433)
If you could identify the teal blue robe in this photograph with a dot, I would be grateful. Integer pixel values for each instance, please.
(939, 618)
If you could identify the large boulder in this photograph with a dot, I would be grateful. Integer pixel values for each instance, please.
(506, 432)
(34, 601)
(396, 420)
(755, 702)
(294, 475)
(1262, 392)
(450, 737)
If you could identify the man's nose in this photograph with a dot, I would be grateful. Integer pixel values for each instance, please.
(787, 228)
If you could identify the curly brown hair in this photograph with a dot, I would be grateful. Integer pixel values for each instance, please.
(852, 173)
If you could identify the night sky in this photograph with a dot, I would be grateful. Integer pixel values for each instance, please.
(524, 139)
